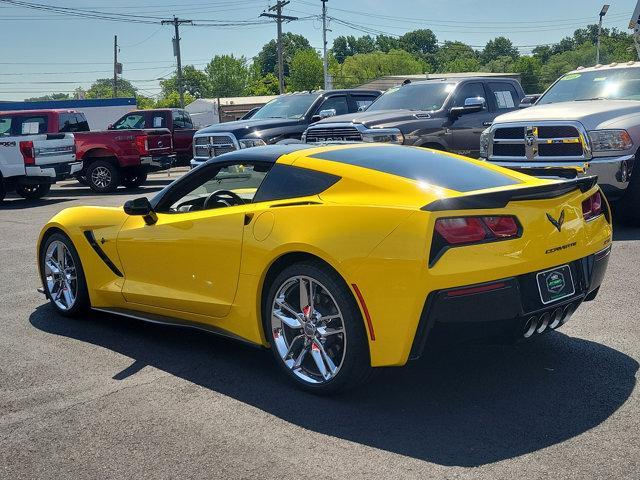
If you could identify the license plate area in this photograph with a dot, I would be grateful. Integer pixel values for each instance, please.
(555, 284)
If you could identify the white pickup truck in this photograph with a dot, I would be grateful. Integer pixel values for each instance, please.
(31, 161)
(586, 123)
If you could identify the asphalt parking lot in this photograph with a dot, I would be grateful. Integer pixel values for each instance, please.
(105, 397)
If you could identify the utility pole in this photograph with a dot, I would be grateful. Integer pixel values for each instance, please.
(603, 12)
(325, 61)
(279, 19)
(115, 66)
(176, 22)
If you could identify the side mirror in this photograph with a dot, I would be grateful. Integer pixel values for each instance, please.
(329, 112)
(528, 101)
(471, 105)
(110, 126)
(141, 206)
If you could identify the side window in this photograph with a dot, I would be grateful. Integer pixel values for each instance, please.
(216, 186)
(362, 101)
(286, 181)
(469, 90)
(505, 95)
(338, 103)
(131, 121)
(67, 122)
(83, 125)
(29, 125)
(187, 120)
(158, 121)
(178, 120)
(5, 126)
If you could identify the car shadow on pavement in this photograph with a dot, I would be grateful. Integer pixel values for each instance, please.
(622, 232)
(467, 407)
(19, 203)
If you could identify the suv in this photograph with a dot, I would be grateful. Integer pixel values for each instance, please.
(30, 158)
(442, 114)
(586, 123)
(282, 120)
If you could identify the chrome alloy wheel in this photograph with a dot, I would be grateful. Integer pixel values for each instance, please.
(308, 329)
(60, 275)
(101, 177)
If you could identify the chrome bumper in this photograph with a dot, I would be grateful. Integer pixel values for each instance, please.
(163, 162)
(54, 171)
(613, 173)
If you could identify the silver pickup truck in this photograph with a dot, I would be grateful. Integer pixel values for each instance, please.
(586, 123)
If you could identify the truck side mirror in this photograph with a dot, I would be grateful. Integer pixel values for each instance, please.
(471, 105)
(528, 101)
(141, 207)
(329, 112)
(110, 126)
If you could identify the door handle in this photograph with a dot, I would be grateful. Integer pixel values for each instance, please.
(486, 124)
(247, 218)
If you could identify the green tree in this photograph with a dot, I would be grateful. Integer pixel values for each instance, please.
(384, 43)
(103, 88)
(267, 58)
(194, 81)
(362, 68)
(261, 84)
(173, 100)
(498, 47)
(530, 69)
(52, 96)
(145, 103)
(456, 57)
(499, 65)
(422, 41)
(348, 46)
(305, 72)
(462, 64)
(228, 76)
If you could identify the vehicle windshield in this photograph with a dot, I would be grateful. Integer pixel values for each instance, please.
(606, 84)
(414, 96)
(287, 106)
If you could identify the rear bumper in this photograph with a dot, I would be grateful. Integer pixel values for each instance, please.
(504, 310)
(156, 163)
(613, 173)
(54, 171)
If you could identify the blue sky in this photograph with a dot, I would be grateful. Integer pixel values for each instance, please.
(51, 47)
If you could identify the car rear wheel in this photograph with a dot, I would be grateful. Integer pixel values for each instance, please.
(63, 276)
(134, 179)
(33, 192)
(103, 176)
(315, 329)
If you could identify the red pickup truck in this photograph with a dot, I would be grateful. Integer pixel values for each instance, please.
(113, 157)
(176, 120)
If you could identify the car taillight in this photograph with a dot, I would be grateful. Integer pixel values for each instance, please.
(465, 230)
(142, 144)
(28, 153)
(592, 206)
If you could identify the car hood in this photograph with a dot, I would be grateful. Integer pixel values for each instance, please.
(378, 118)
(244, 127)
(591, 113)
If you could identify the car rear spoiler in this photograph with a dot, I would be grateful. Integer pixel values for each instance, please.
(501, 198)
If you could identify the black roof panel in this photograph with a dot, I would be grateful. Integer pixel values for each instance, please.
(268, 153)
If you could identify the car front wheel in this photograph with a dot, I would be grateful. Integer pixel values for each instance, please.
(102, 176)
(315, 329)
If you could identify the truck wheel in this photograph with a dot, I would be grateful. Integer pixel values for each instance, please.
(103, 176)
(33, 192)
(628, 207)
(134, 180)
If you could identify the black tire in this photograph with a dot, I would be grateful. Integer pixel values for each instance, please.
(134, 179)
(628, 207)
(103, 176)
(33, 192)
(81, 303)
(356, 365)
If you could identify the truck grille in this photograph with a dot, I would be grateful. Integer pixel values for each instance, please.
(212, 146)
(537, 142)
(335, 134)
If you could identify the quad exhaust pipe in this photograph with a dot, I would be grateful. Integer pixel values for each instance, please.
(549, 320)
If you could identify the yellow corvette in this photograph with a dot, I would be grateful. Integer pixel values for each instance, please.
(341, 258)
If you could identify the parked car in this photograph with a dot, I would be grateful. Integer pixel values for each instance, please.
(282, 120)
(176, 120)
(442, 114)
(586, 123)
(112, 157)
(31, 159)
(339, 259)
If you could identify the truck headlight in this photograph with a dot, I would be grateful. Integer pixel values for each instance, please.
(384, 135)
(604, 140)
(251, 142)
(484, 144)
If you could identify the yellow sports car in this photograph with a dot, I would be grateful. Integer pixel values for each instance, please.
(341, 258)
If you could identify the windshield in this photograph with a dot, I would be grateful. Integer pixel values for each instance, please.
(414, 96)
(619, 84)
(287, 106)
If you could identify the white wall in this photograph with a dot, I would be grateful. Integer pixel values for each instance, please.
(101, 117)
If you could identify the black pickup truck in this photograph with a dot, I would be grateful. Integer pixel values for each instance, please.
(282, 120)
(445, 114)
